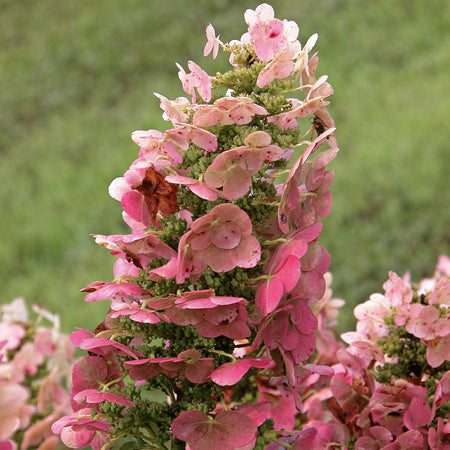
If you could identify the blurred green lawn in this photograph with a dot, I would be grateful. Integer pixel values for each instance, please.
(78, 77)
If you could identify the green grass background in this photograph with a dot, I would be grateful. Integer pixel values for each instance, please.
(77, 77)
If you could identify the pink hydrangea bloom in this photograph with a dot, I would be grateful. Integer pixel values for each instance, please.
(138, 248)
(282, 408)
(174, 110)
(221, 240)
(212, 316)
(439, 437)
(213, 42)
(197, 79)
(189, 364)
(199, 188)
(154, 144)
(410, 440)
(297, 440)
(102, 290)
(270, 35)
(282, 272)
(90, 377)
(233, 169)
(230, 373)
(398, 290)
(101, 346)
(227, 111)
(371, 316)
(280, 67)
(438, 351)
(128, 306)
(441, 293)
(144, 194)
(80, 429)
(426, 323)
(183, 133)
(293, 187)
(314, 100)
(232, 429)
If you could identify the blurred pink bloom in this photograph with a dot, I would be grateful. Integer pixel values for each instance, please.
(229, 428)
(52, 395)
(14, 412)
(213, 42)
(16, 311)
(26, 361)
(443, 265)
(221, 240)
(40, 435)
(11, 334)
(8, 444)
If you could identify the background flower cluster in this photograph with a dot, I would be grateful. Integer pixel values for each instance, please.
(35, 365)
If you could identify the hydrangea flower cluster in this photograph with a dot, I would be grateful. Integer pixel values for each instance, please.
(35, 366)
(211, 323)
(391, 384)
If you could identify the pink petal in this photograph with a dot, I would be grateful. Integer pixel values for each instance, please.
(269, 295)
(230, 373)
(226, 235)
(190, 426)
